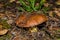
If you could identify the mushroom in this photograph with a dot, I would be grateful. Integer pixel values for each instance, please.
(30, 20)
(4, 31)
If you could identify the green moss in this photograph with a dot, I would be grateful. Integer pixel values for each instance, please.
(5, 24)
(5, 37)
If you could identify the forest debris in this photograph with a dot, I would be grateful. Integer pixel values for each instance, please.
(56, 28)
(17, 2)
(58, 2)
(4, 31)
(4, 24)
(51, 13)
(7, 37)
(10, 21)
(1, 15)
(19, 38)
(46, 4)
(31, 21)
(57, 13)
(16, 38)
(1, 5)
(12, 0)
(0, 26)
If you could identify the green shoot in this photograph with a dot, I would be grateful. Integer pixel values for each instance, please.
(26, 7)
(32, 4)
(32, 7)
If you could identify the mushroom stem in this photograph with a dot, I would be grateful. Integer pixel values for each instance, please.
(33, 29)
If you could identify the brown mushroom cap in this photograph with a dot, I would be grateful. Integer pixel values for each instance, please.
(4, 31)
(31, 21)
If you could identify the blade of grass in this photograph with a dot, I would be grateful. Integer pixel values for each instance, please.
(20, 9)
(40, 4)
(45, 9)
(32, 4)
(26, 7)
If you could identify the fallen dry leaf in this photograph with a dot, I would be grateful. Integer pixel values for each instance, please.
(12, 0)
(57, 13)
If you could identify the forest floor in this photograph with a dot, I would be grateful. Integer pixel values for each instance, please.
(49, 30)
